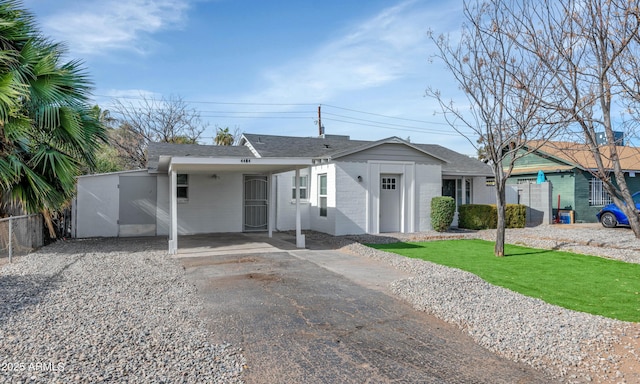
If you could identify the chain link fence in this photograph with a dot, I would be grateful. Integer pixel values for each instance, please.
(20, 235)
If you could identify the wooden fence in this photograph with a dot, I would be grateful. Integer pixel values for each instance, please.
(20, 235)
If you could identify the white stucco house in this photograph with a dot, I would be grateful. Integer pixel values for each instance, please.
(345, 187)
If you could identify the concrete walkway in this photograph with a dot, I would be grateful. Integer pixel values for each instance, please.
(367, 272)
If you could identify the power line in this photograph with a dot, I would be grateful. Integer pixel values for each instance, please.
(385, 116)
(211, 102)
(260, 114)
(417, 129)
(258, 117)
(396, 129)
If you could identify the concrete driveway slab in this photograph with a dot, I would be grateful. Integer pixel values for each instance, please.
(304, 316)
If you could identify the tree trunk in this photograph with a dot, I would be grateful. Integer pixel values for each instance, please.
(501, 202)
(634, 223)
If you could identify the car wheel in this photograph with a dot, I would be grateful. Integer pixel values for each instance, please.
(608, 220)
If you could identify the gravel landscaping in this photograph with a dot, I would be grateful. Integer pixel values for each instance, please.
(122, 311)
(106, 310)
(571, 345)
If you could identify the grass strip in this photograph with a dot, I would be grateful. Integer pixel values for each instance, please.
(591, 284)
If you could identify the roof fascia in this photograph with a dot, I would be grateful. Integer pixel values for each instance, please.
(245, 141)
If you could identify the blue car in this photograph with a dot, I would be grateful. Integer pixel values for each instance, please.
(610, 215)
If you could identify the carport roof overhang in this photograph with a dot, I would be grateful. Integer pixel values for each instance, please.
(187, 164)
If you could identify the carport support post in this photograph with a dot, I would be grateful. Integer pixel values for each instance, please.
(173, 216)
(299, 235)
(271, 205)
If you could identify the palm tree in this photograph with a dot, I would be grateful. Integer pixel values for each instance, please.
(48, 132)
(223, 137)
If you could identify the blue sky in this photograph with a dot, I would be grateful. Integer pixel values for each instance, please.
(264, 67)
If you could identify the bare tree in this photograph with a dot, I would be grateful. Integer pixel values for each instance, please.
(591, 48)
(498, 79)
(167, 120)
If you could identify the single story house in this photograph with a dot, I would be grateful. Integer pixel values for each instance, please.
(343, 187)
(568, 166)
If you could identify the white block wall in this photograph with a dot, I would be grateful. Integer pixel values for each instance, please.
(214, 205)
(162, 206)
(286, 206)
(428, 185)
(483, 194)
(351, 198)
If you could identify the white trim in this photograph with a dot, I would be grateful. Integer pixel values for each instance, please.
(299, 235)
(244, 141)
(389, 140)
(173, 216)
(113, 173)
(271, 206)
(406, 170)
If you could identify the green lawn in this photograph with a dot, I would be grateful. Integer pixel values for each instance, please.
(590, 284)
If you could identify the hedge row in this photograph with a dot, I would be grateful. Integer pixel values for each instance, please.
(484, 216)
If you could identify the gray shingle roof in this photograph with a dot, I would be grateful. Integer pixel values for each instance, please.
(309, 147)
(457, 162)
(288, 146)
(155, 150)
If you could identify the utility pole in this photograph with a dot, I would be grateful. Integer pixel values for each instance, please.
(320, 127)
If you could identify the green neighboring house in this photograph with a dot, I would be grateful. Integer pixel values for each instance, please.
(566, 166)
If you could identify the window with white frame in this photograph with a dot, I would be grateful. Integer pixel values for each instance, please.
(322, 194)
(468, 191)
(389, 183)
(597, 194)
(182, 189)
(304, 181)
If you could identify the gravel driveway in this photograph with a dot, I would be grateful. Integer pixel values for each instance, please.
(121, 310)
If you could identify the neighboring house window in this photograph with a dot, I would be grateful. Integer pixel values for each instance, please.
(322, 194)
(597, 194)
(183, 186)
(527, 181)
(303, 187)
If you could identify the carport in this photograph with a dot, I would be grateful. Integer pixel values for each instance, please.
(238, 165)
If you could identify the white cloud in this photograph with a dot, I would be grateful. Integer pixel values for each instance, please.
(379, 65)
(131, 93)
(386, 48)
(96, 27)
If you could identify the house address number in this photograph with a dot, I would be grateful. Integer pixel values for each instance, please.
(245, 160)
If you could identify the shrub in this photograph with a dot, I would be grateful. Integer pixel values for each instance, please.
(485, 216)
(477, 216)
(515, 215)
(443, 208)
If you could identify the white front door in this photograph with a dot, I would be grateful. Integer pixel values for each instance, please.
(390, 203)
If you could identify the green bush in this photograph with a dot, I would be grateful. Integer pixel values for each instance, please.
(443, 208)
(485, 216)
(477, 216)
(515, 215)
